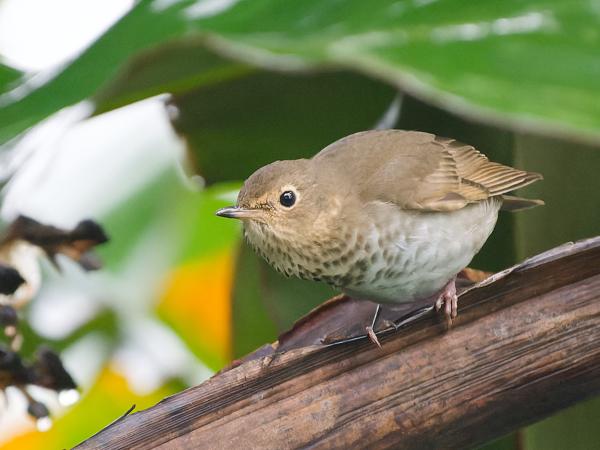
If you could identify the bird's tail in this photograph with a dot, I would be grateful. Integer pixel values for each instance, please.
(512, 203)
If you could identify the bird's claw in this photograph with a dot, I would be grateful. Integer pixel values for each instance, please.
(372, 336)
(449, 300)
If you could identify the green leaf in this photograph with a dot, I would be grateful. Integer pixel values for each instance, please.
(524, 64)
(142, 28)
(202, 232)
(175, 68)
(128, 221)
(505, 443)
(265, 303)
(8, 76)
(519, 63)
(288, 299)
(570, 190)
(236, 127)
(192, 234)
(573, 429)
(196, 302)
(105, 323)
(251, 322)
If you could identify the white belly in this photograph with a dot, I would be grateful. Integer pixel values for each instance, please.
(428, 250)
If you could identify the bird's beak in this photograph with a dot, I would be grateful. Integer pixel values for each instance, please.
(233, 212)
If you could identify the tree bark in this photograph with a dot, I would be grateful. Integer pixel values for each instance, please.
(525, 345)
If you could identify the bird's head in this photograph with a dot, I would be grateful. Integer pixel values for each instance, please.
(286, 201)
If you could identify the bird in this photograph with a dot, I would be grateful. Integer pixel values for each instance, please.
(390, 216)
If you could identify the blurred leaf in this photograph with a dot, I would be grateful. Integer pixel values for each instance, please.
(140, 29)
(288, 299)
(234, 128)
(573, 429)
(570, 189)
(521, 63)
(505, 443)
(108, 399)
(202, 232)
(252, 324)
(196, 301)
(125, 224)
(105, 323)
(197, 306)
(265, 303)
(8, 75)
(175, 68)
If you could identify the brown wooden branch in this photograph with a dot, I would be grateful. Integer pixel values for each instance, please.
(525, 345)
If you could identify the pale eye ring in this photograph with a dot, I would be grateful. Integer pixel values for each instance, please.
(287, 199)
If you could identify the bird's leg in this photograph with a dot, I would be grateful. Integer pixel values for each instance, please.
(449, 300)
(370, 328)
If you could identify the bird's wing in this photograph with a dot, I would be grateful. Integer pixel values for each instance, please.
(421, 171)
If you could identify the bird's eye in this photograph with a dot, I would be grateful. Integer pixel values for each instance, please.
(287, 199)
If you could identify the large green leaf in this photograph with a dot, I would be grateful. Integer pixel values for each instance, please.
(175, 68)
(521, 63)
(7, 76)
(528, 64)
(236, 127)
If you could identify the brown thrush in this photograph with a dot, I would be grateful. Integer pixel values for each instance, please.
(390, 216)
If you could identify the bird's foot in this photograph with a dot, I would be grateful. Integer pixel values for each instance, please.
(370, 328)
(449, 300)
(372, 336)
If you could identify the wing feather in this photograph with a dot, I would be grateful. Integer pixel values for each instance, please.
(421, 171)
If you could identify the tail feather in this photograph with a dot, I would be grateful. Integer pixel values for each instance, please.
(512, 203)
